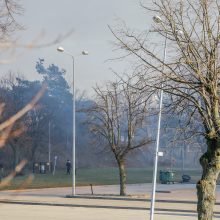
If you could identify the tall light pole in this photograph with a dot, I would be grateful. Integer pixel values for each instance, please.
(61, 49)
(157, 19)
(49, 145)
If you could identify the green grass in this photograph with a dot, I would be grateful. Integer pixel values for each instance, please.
(95, 176)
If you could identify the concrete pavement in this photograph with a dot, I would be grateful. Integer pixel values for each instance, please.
(18, 212)
(172, 201)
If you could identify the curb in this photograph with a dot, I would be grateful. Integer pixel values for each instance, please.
(133, 199)
(95, 206)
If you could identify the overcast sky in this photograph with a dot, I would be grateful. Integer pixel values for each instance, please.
(88, 19)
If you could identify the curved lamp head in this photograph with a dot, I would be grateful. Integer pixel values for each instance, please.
(60, 49)
(84, 52)
(157, 19)
(179, 33)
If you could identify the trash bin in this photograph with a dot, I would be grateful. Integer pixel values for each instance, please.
(49, 167)
(42, 168)
(186, 178)
(35, 167)
(166, 177)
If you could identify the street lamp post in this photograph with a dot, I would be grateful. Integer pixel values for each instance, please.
(49, 146)
(61, 49)
(157, 19)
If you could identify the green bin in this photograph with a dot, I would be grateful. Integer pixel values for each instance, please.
(166, 176)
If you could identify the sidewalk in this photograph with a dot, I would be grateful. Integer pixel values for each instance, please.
(173, 201)
(18, 212)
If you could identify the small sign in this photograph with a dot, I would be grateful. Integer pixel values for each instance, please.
(160, 154)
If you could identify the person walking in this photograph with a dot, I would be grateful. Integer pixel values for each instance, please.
(68, 167)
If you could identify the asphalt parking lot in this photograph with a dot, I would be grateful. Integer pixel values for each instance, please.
(173, 201)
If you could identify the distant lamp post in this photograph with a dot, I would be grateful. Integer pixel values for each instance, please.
(61, 49)
(157, 20)
(49, 145)
(55, 163)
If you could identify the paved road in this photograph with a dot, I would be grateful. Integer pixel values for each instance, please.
(23, 212)
(176, 201)
(132, 189)
(170, 191)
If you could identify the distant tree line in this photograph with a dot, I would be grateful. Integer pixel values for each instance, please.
(55, 107)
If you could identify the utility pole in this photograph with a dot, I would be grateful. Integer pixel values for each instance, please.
(49, 146)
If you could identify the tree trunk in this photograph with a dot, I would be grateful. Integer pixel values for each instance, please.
(210, 162)
(122, 176)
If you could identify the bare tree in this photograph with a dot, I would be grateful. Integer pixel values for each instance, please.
(116, 118)
(190, 74)
(10, 126)
(8, 25)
